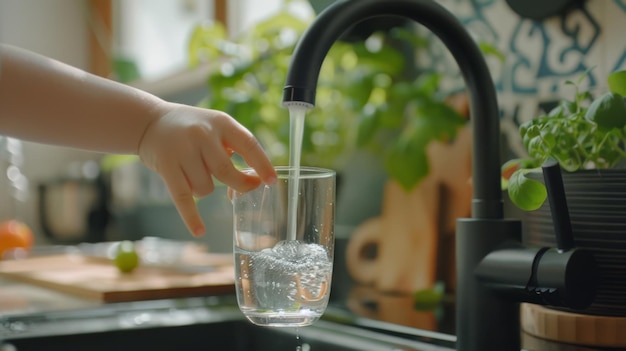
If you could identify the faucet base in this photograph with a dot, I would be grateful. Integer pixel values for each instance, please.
(485, 320)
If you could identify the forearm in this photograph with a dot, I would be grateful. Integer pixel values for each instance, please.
(47, 101)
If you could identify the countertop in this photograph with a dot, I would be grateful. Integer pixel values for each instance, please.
(19, 303)
(17, 299)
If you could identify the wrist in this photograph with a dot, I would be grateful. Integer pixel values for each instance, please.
(156, 110)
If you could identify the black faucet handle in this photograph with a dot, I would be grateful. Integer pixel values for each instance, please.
(564, 278)
(545, 276)
(558, 205)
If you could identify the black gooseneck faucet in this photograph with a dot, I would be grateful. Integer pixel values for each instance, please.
(494, 271)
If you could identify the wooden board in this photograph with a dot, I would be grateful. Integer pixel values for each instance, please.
(99, 279)
(573, 328)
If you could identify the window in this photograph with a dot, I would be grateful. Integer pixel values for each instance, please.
(153, 34)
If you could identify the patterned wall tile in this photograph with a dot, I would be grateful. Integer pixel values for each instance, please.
(540, 55)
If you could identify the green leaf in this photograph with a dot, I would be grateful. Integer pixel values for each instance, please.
(280, 20)
(387, 60)
(584, 75)
(126, 70)
(429, 299)
(608, 111)
(428, 83)
(617, 82)
(368, 122)
(108, 163)
(357, 89)
(407, 162)
(488, 49)
(203, 43)
(410, 36)
(528, 194)
(565, 108)
(436, 120)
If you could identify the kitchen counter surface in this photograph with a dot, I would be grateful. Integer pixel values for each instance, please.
(21, 304)
(22, 299)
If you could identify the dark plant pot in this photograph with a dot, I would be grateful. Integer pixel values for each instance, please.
(597, 206)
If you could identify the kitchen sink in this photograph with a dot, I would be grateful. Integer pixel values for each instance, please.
(199, 326)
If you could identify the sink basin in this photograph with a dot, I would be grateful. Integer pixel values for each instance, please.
(197, 328)
(231, 336)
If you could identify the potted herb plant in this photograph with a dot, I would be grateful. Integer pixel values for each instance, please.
(583, 133)
(587, 136)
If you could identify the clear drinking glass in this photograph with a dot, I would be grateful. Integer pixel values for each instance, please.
(283, 269)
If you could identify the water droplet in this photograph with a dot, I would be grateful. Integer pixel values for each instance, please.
(298, 346)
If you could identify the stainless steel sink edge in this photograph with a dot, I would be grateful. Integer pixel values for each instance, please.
(369, 339)
(334, 332)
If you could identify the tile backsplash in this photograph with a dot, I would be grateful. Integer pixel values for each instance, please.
(539, 55)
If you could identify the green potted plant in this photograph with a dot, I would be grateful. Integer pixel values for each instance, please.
(582, 133)
(587, 136)
(365, 97)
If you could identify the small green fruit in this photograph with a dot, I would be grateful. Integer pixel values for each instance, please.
(126, 257)
(608, 111)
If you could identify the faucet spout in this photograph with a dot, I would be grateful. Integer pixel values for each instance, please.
(310, 52)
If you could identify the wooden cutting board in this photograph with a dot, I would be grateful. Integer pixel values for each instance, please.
(98, 278)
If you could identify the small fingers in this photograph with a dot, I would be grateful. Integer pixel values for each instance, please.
(246, 145)
(222, 168)
(182, 196)
(198, 175)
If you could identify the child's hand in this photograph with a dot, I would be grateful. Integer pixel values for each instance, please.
(188, 145)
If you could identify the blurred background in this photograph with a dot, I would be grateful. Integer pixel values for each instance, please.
(70, 196)
(143, 43)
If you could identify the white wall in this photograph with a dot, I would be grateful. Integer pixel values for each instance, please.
(55, 28)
